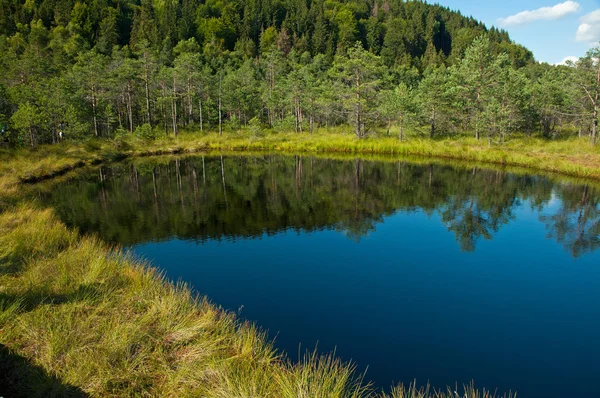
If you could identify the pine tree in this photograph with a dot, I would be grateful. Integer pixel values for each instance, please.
(359, 75)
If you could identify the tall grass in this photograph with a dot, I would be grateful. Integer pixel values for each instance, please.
(574, 157)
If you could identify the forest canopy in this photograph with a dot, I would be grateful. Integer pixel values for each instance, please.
(101, 68)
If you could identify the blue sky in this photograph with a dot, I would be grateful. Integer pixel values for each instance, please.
(552, 29)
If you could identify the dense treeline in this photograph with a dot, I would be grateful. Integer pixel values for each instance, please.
(205, 198)
(100, 68)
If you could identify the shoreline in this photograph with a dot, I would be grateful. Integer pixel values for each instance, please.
(89, 316)
(582, 164)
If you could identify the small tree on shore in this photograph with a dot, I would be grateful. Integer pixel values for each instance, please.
(477, 78)
(433, 98)
(25, 120)
(358, 75)
(396, 106)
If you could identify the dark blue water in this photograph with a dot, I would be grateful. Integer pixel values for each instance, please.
(434, 273)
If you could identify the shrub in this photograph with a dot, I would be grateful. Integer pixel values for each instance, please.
(287, 124)
(255, 127)
(233, 124)
(145, 131)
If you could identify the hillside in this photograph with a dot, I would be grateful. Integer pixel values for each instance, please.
(403, 33)
(106, 68)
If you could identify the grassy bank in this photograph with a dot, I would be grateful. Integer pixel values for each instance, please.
(98, 320)
(80, 318)
(573, 157)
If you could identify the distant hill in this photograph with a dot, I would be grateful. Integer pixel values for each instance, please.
(411, 33)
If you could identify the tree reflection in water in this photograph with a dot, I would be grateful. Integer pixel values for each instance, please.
(229, 197)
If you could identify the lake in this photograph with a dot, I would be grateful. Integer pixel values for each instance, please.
(438, 273)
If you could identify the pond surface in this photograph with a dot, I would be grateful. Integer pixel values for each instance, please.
(434, 273)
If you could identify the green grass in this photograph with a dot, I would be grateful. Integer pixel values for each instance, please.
(91, 317)
(574, 157)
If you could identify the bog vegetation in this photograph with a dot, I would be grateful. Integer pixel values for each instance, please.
(76, 69)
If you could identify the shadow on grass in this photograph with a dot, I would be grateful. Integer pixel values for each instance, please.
(20, 378)
(33, 299)
(9, 268)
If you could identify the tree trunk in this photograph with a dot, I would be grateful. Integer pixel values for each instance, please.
(296, 112)
(200, 108)
(164, 108)
(401, 131)
(190, 102)
(220, 113)
(357, 108)
(94, 111)
(154, 185)
(203, 172)
(311, 117)
(174, 108)
(119, 114)
(223, 180)
(594, 124)
(31, 136)
(430, 175)
(129, 108)
(149, 119)
(432, 132)
(477, 115)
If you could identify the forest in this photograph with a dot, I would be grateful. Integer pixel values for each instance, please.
(103, 68)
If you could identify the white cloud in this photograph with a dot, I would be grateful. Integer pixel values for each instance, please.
(541, 14)
(589, 29)
(571, 58)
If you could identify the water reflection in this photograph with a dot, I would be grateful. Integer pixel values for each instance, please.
(220, 197)
(576, 225)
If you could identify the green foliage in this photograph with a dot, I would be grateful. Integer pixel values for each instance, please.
(24, 120)
(357, 78)
(586, 80)
(101, 68)
(146, 131)
(286, 124)
(478, 78)
(255, 127)
(104, 67)
(398, 105)
(435, 101)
